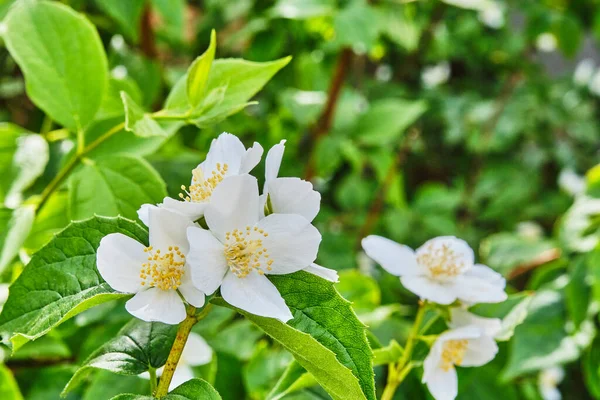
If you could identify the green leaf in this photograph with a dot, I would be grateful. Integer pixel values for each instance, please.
(360, 289)
(191, 390)
(546, 319)
(62, 58)
(357, 26)
(138, 121)
(512, 311)
(61, 280)
(126, 13)
(263, 370)
(114, 185)
(138, 346)
(388, 354)
(386, 120)
(578, 292)
(105, 385)
(9, 389)
(325, 336)
(51, 219)
(198, 73)
(591, 369)
(112, 104)
(241, 79)
(14, 228)
(293, 379)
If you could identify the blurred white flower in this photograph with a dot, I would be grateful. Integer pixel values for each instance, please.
(119, 72)
(584, 72)
(459, 317)
(492, 15)
(291, 196)
(157, 274)
(435, 75)
(383, 73)
(227, 156)
(442, 270)
(548, 382)
(571, 182)
(594, 85)
(529, 230)
(117, 42)
(546, 42)
(196, 352)
(464, 347)
(240, 248)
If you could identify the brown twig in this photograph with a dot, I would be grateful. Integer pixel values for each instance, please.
(378, 203)
(147, 38)
(543, 258)
(325, 121)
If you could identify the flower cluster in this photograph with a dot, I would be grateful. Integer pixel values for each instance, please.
(443, 271)
(220, 234)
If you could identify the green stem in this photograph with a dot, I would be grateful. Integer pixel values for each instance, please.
(183, 333)
(73, 162)
(397, 372)
(153, 380)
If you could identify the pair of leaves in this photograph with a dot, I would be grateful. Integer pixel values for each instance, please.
(325, 336)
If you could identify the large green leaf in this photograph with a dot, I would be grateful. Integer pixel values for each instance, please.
(62, 58)
(126, 13)
(114, 185)
(137, 347)
(9, 389)
(325, 336)
(14, 228)
(61, 280)
(191, 390)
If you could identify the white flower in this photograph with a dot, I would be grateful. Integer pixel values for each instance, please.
(196, 352)
(584, 72)
(291, 196)
(492, 15)
(435, 75)
(240, 248)
(460, 317)
(571, 182)
(546, 42)
(227, 156)
(442, 270)
(464, 347)
(155, 273)
(288, 195)
(548, 383)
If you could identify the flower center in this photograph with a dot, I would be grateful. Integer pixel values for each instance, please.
(453, 353)
(201, 188)
(441, 261)
(244, 251)
(163, 271)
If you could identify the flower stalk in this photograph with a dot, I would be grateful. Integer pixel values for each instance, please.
(183, 332)
(398, 371)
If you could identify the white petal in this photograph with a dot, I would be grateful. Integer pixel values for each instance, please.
(168, 228)
(255, 294)
(294, 196)
(325, 273)
(226, 149)
(196, 351)
(433, 360)
(182, 374)
(464, 332)
(443, 385)
(476, 290)
(119, 260)
(251, 158)
(143, 213)
(189, 292)
(189, 209)
(460, 317)
(292, 242)
(157, 305)
(233, 205)
(273, 161)
(206, 259)
(550, 393)
(429, 289)
(395, 258)
(437, 251)
(480, 351)
(486, 273)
